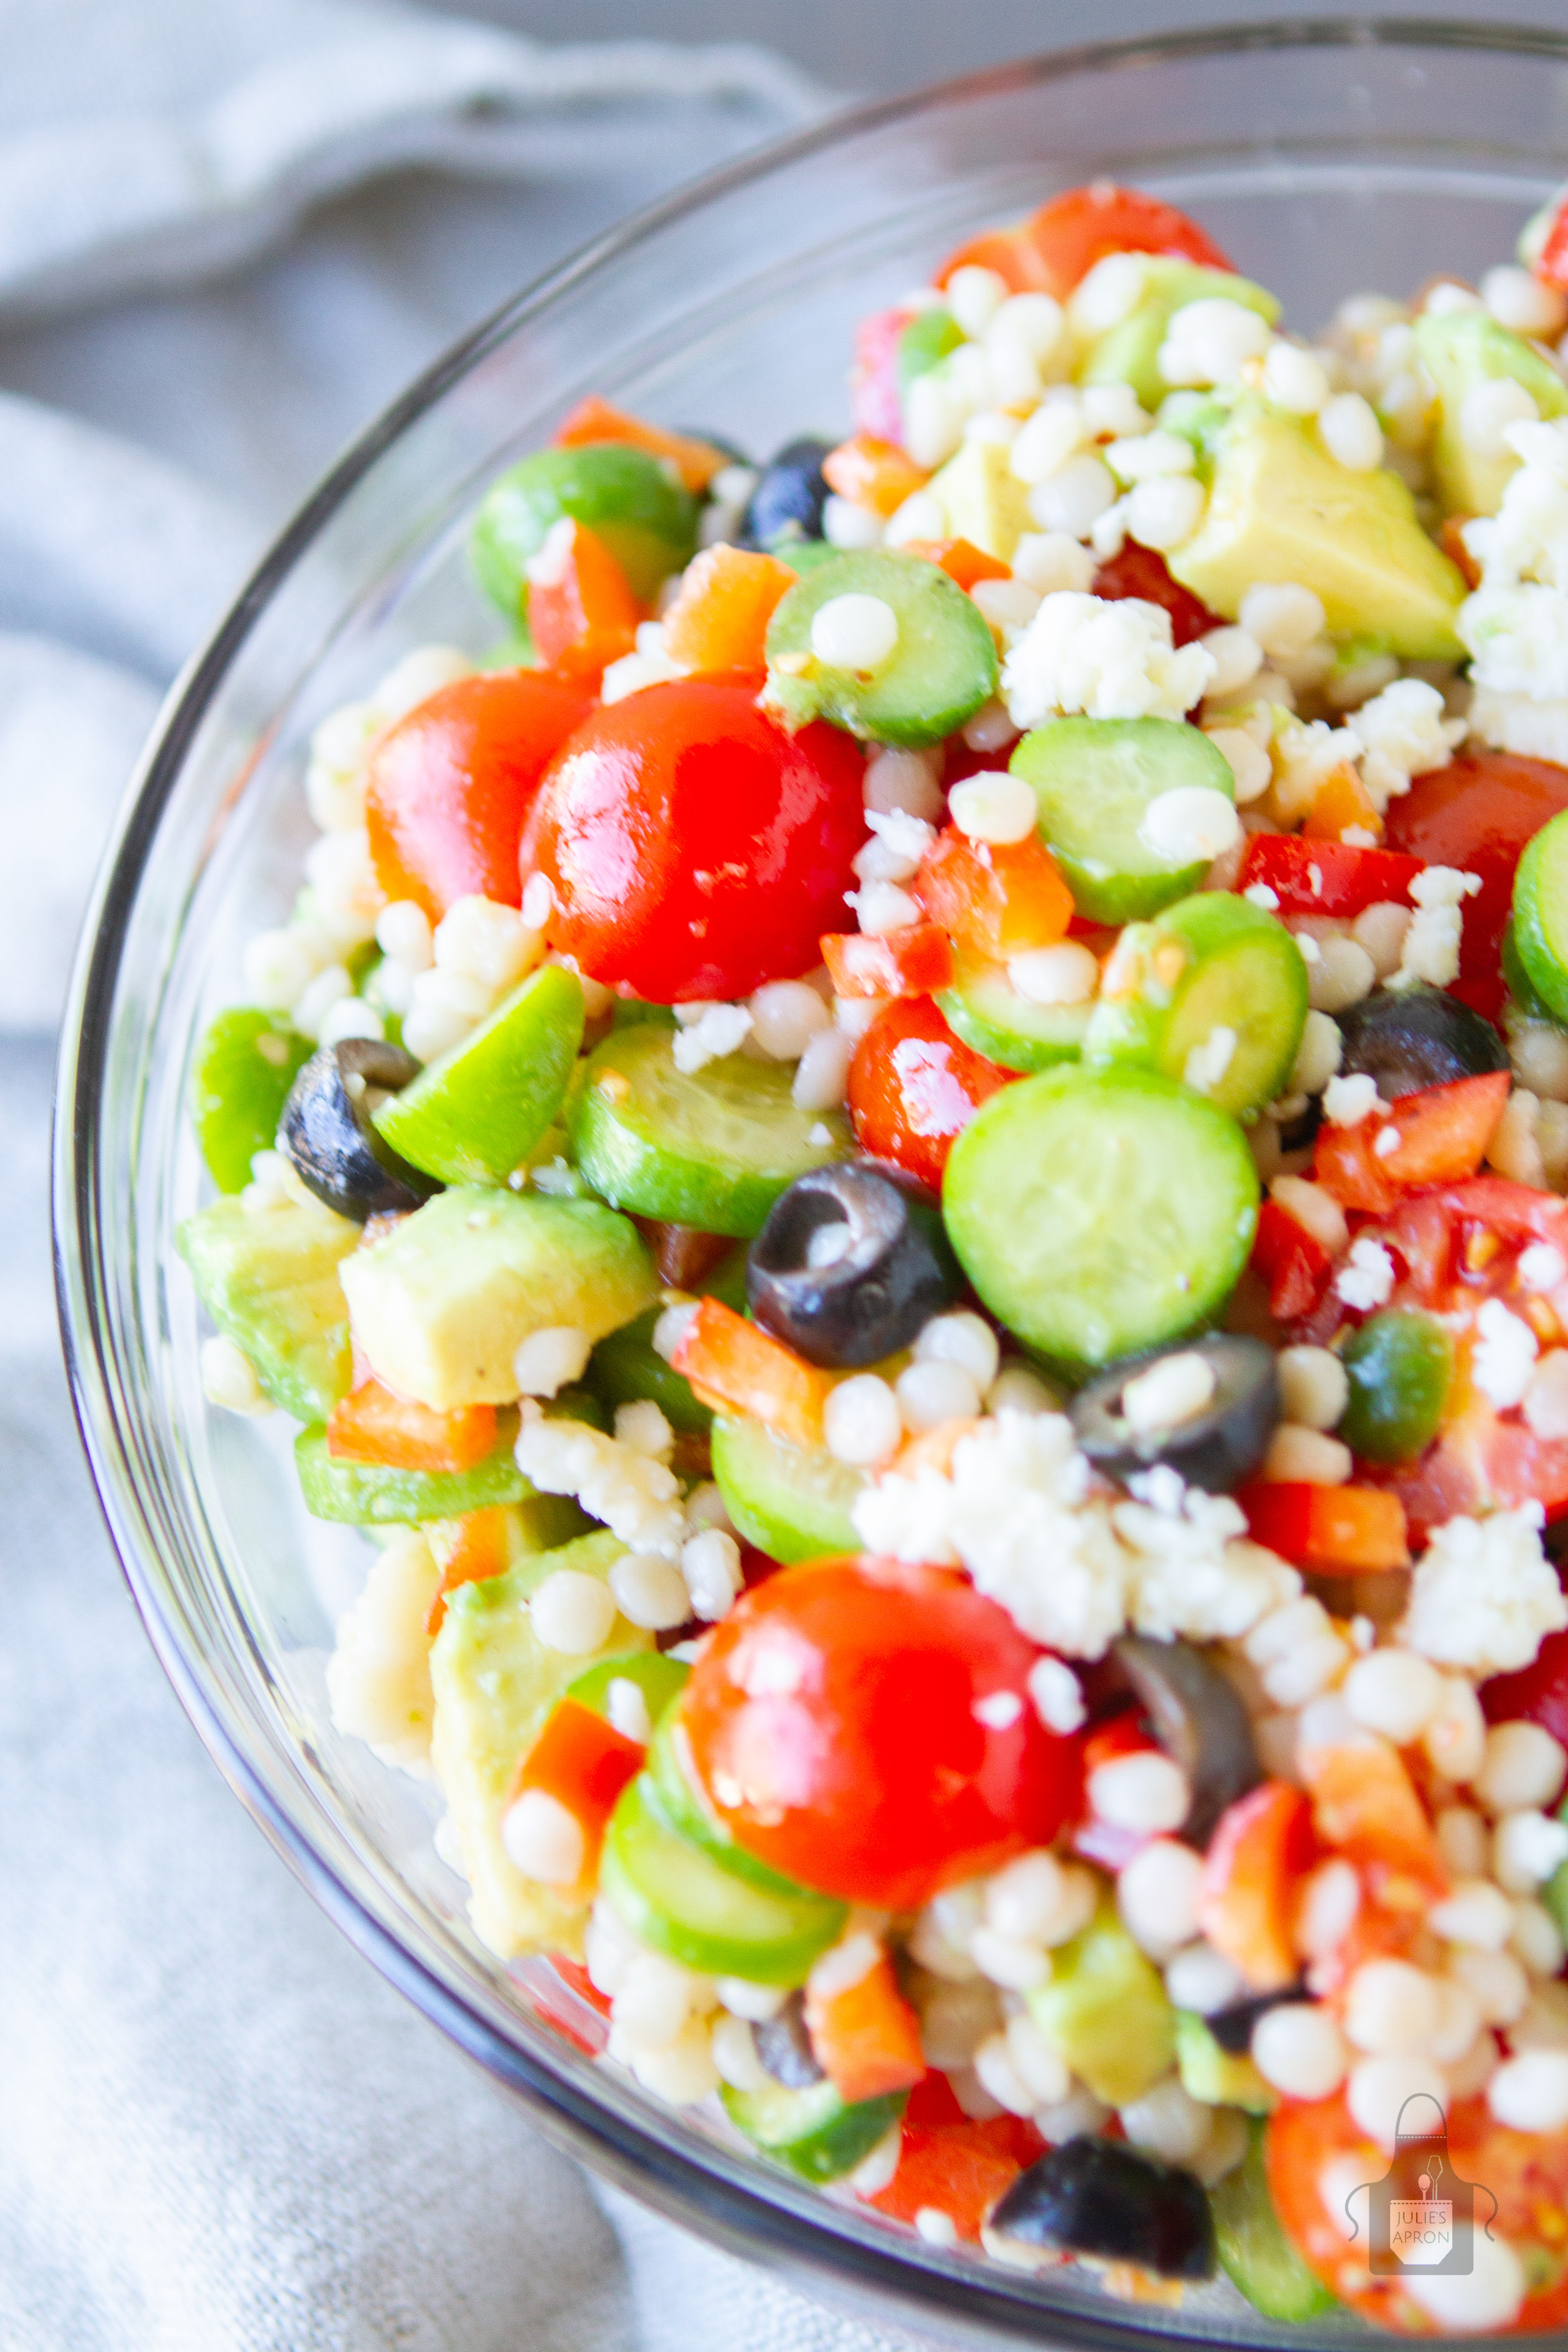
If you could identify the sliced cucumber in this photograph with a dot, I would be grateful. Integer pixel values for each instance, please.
(986, 1011)
(624, 497)
(941, 669)
(476, 1112)
(1098, 1213)
(1254, 2251)
(690, 1814)
(628, 1366)
(792, 1501)
(1517, 983)
(813, 2131)
(714, 1150)
(1220, 1001)
(1541, 915)
(680, 1901)
(244, 1066)
(1095, 780)
(659, 1678)
(369, 1494)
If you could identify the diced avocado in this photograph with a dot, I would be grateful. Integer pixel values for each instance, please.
(1220, 2078)
(1254, 2251)
(495, 1684)
(813, 2130)
(1463, 350)
(1129, 353)
(477, 1111)
(442, 1302)
(1280, 508)
(268, 1278)
(370, 1494)
(983, 499)
(1103, 2009)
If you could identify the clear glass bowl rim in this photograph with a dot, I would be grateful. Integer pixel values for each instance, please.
(694, 2193)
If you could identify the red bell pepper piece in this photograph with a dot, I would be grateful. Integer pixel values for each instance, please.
(998, 897)
(866, 2039)
(737, 1367)
(914, 961)
(959, 558)
(961, 2168)
(593, 419)
(584, 1762)
(370, 1425)
(582, 612)
(1337, 1530)
(1262, 1848)
(481, 1550)
(1325, 878)
(1292, 1261)
(1443, 1133)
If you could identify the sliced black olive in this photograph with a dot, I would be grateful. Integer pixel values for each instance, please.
(1232, 2026)
(1099, 2197)
(788, 501)
(1409, 1038)
(1198, 1720)
(783, 2046)
(1297, 1133)
(852, 1261)
(327, 1133)
(1216, 1448)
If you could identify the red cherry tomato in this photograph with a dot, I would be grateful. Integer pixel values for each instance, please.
(833, 1719)
(1536, 1693)
(450, 784)
(1140, 571)
(1477, 814)
(696, 850)
(913, 1086)
(1074, 231)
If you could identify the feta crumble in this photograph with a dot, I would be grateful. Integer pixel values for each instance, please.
(718, 1030)
(1347, 1101)
(636, 1498)
(1400, 733)
(1504, 1355)
(1106, 659)
(1368, 1280)
(1430, 953)
(1483, 1595)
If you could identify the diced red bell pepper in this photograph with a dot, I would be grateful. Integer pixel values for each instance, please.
(370, 1425)
(998, 897)
(584, 1762)
(1262, 1848)
(736, 1367)
(1341, 801)
(720, 618)
(1337, 1530)
(871, 470)
(593, 419)
(581, 609)
(1059, 244)
(959, 2169)
(1443, 1135)
(1325, 878)
(961, 560)
(874, 401)
(914, 961)
(573, 1973)
(1292, 1261)
(1140, 571)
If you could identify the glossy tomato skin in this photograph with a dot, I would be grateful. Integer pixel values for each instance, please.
(1536, 1693)
(450, 784)
(1477, 814)
(914, 1087)
(832, 1719)
(696, 850)
(1073, 231)
(1139, 572)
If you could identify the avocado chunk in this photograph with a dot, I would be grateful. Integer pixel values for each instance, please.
(441, 1304)
(1103, 2009)
(268, 1278)
(983, 499)
(1280, 508)
(1463, 350)
(495, 1684)
(1220, 2078)
(1129, 352)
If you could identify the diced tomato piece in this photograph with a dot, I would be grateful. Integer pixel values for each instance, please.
(914, 961)
(1325, 878)
(1012, 253)
(1073, 231)
(1536, 1693)
(1341, 803)
(1140, 571)
(1334, 1529)
(871, 472)
(481, 1550)
(874, 401)
(737, 1367)
(913, 1086)
(580, 607)
(584, 1762)
(961, 560)
(1443, 1135)
(593, 419)
(1477, 814)
(1365, 1805)
(960, 2168)
(866, 2039)
(1292, 1261)
(720, 617)
(999, 898)
(372, 1425)
(1262, 1849)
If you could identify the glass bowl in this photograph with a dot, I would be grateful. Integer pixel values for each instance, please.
(1325, 157)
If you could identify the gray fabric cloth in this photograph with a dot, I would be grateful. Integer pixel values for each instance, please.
(219, 2131)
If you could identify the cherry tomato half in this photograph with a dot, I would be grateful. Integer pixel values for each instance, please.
(450, 784)
(1140, 571)
(1477, 814)
(913, 1086)
(835, 1720)
(696, 850)
(1536, 1693)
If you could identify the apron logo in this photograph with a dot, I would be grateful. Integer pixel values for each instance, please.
(1420, 2217)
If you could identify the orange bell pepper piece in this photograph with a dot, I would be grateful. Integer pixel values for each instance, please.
(736, 1367)
(1336, 1531)
(998, 897)
(1012, 254)
(593, 419)
(720, 618)
(1365, 1804)
(1443, 1133)
(481, 1550)
(1341, 801)
(867, 2039)
(370, 1425)
(914, 961)
(872, 473)
(961, 560)
(1262, 1849)
(580, 608)
(584, 1762)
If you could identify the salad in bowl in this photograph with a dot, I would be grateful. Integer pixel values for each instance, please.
(906, 1159)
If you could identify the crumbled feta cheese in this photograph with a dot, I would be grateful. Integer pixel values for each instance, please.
(1107, 660)
(1368, 1280)
(1262, 896)
(1504, 1355)
(905, 837)
(1193, 1574)
(1542, 1268)
(1484, 1595)
(1400, 733)
(1058, 1696)
(1347, 1101)
(1430, 953)
(719, 1030)
(636, 1498)
(882, 906)
(1536, 727)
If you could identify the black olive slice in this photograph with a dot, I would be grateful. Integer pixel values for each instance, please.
(1297, 1133)
(1101, 2198)
(788, 501)
(1217, 1447)
(853, 1260)
(326, 1131)
(1232, 2026)
(1199, 1721)
(1410, 1038)
(783, 2046)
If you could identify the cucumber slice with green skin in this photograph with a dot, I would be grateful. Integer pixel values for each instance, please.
(687, 1811)
(631, 1012)
(714, 1150)
(682, 1903)
(941, 669)
(244, 1067)
(1095, 780)
(661, 1680)
(1255, 2254)
(1539, 926)
(476, 1112)
(1517, 983)
(985, 1010)
(1399, 1366)
(623, 495)
(1224, 1014)
(813, 2131)
(1101, 1211)
(804, 555)
(791, 1501)
(369, 1494)
(929, 337)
